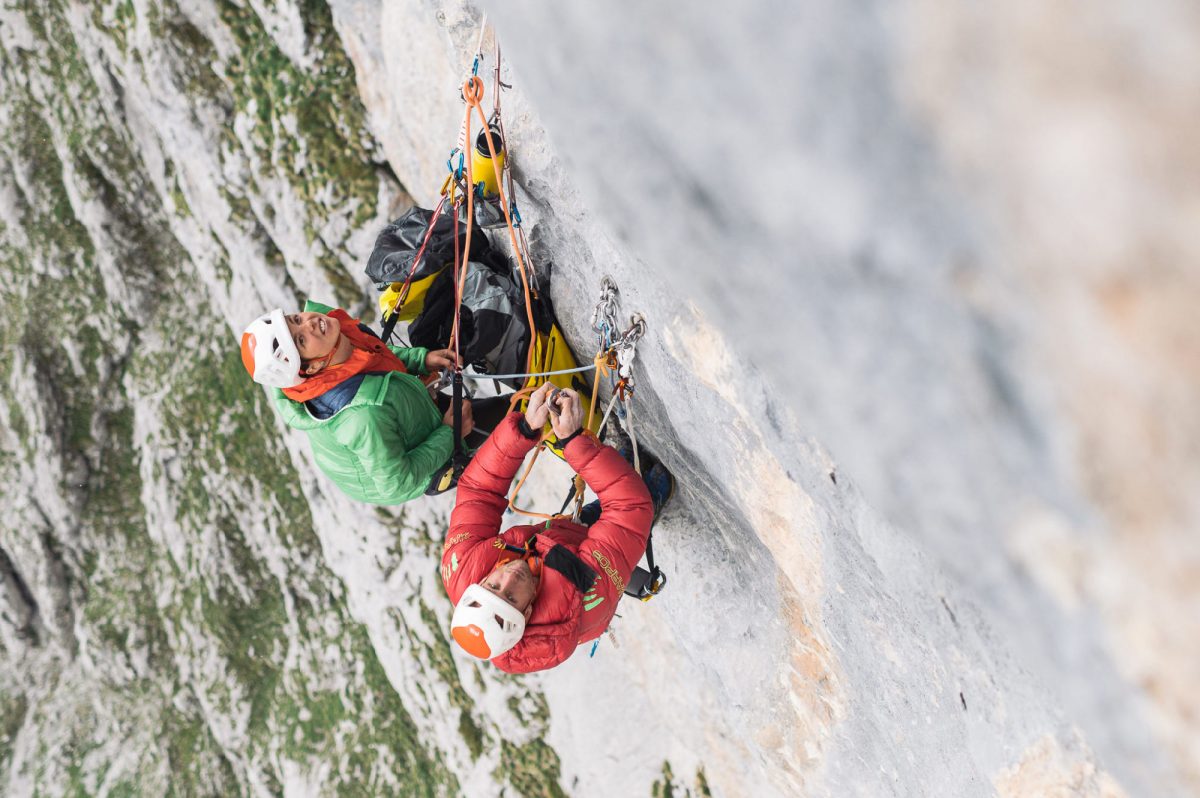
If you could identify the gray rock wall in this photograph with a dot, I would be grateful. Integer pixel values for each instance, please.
(914, 220)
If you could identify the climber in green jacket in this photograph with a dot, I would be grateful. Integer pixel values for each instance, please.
(374, 429)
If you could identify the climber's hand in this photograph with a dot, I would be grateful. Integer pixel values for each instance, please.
(569, 418)
(538, 410)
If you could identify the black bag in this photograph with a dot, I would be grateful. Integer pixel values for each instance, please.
(492, 324)
(397, 246)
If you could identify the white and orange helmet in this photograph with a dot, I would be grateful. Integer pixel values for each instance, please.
(484, 624)
(269, 353)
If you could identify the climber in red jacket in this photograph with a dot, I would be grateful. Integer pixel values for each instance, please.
(525, 598)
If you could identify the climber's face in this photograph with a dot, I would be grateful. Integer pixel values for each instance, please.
(315, 334)
(515, 583)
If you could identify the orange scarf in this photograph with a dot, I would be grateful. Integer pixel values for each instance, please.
(369, 354)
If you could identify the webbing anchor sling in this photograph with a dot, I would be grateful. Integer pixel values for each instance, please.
(620, 347)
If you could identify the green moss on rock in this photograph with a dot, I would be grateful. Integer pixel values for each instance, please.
(533, 769)
(192, 544)
(12, 717)
(669, 786)
(309, 121)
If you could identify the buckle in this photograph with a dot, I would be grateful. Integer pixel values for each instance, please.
(644, 585)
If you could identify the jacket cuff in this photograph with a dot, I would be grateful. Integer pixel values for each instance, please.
(510, 438)
(526, 430)
(420, 353)
(560, 445)
(562, 442)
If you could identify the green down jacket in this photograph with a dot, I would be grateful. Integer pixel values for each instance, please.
(384, 446)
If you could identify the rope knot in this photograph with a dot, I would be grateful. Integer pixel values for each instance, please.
(472, 90)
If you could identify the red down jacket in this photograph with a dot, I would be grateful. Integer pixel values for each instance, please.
(585, 578)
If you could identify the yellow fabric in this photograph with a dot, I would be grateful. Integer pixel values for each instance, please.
(552, 353)
(417, 290)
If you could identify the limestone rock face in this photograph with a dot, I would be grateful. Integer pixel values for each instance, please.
(919, 354)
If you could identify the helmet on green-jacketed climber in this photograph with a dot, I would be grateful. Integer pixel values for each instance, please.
(269, 353)
(484, 624)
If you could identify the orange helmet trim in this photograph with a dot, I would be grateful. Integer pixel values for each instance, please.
(471, 638)
(248, 344)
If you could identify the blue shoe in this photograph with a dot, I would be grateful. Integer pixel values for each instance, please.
(661, 485)
(590, 513)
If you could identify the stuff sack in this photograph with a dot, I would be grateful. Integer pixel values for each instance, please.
(495, 333)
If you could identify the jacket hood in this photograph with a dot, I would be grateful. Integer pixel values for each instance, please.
(542, 646)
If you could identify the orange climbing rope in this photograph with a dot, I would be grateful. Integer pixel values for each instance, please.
(472, 93)
(606, 360)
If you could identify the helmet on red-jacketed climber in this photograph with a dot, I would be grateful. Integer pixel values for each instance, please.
(484, 624)
(269, 353)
